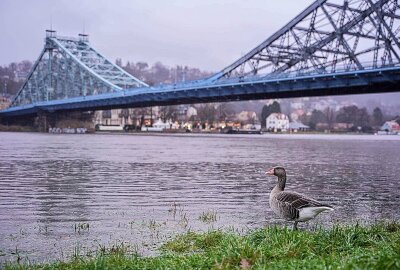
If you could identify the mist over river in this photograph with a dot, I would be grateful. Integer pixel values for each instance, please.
(71, 194)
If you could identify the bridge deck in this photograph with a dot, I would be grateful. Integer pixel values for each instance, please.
(343, 83)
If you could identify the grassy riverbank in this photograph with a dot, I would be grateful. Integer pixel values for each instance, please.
(342, 247)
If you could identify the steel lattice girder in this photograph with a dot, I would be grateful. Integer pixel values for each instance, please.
(69, 67)
(328, 36)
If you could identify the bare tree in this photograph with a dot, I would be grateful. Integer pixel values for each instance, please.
(138, 115)
(330, 117)
(225, 110)
(207, 112)
(168, 112)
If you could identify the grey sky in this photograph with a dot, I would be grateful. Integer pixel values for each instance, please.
(208, 34)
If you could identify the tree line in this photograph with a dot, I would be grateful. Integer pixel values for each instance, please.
(355, 118)
(158, 73)
(9, 81)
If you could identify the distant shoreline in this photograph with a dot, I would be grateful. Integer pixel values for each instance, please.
(280, 135)
(300, 136)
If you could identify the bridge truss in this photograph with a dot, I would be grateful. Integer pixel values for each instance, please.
(69, 67)
(328, 36)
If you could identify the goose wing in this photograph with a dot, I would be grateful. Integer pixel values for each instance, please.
(297, 200)
(289, 204)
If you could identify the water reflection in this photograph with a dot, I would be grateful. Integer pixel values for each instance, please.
(63, 191)
(119, 184)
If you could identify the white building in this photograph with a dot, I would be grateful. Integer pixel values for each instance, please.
(277, 122)
(161, 125)
(191, 111)
(391, 127)
(4, 102)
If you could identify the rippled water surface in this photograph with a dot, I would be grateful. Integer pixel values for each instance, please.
(71, 194)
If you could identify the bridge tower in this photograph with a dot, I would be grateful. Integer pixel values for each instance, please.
(69, 67)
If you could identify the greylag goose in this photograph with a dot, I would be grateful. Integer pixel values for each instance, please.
(291, 205)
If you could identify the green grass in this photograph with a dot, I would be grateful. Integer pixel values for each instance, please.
(342, 247)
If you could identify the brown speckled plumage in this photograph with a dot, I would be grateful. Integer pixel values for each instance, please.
(291, 205)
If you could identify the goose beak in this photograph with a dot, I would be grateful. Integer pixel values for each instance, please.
(270, 172)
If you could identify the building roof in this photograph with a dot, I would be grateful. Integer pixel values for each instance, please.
(297, 125)
(392, 125)
(279, 116)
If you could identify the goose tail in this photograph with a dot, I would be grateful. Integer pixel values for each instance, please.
(327, 208)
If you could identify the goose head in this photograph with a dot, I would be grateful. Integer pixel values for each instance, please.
(281, 174)
(277, 171)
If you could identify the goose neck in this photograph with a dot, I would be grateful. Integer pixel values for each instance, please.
(281, 183)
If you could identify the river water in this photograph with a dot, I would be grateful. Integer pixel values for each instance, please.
(63, 195)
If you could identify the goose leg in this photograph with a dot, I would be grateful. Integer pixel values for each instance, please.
(295, 226)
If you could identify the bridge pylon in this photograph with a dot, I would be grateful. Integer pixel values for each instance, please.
(69, 67)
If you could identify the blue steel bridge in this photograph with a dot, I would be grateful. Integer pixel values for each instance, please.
(333, 47)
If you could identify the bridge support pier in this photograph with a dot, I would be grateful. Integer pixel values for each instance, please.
(46, 120)
(18, 123)
(43, 121)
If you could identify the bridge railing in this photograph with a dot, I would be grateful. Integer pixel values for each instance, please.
(294, 74)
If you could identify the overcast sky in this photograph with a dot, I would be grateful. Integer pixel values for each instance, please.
(208, 34)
